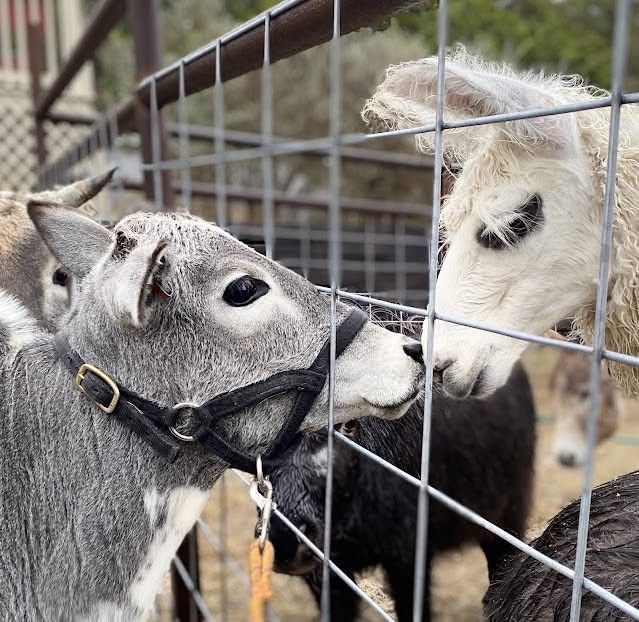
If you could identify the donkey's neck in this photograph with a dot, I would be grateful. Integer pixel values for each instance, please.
(94, 515)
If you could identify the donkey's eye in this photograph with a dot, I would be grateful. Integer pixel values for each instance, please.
(526, 218)
(244, 291)
(60, 277)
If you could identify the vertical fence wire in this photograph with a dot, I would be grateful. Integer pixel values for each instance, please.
(223, 550)
(267, 142)
(115, 189)
(400, 258)
(93, 146)
(154, 119)
(104, 144)
(335, 249)
(83, 151)
(220, 143)
(421, 537)
(183, 122)
(620, 52)
(305, 237)
(51, 176)
(369, 254)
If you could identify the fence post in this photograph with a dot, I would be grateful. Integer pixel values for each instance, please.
(35, 42)
(184, 607)
(145, 26)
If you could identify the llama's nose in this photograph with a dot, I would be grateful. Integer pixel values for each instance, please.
(414, 350)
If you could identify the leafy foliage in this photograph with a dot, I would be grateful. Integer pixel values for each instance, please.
(567, 36)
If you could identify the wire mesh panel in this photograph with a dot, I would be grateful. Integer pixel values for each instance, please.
(366, 252)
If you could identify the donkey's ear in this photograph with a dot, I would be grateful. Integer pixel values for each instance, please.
(75, 240)
(135, 278)
(407, 98)
(77, 194)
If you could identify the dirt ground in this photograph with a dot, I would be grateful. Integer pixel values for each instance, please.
(459, 578)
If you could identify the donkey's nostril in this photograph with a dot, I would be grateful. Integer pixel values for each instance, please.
(414, 350)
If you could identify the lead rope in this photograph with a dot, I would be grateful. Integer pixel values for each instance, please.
(261, 552)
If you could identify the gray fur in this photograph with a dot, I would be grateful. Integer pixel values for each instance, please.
(86, 504)
(26, 265)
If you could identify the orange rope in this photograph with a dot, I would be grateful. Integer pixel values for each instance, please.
(260, 570)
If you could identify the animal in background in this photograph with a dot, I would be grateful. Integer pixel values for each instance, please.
(526, 590)
(570, 403)
(523, 220)
(482, 454)
(27, 269)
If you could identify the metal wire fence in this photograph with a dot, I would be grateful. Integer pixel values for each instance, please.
(334, 269)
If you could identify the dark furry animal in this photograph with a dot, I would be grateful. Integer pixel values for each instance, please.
(481, 454)
(527, 590)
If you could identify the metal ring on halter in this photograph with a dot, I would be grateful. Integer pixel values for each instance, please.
(179, 435)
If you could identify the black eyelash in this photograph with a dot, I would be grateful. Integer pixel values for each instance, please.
(528, 217)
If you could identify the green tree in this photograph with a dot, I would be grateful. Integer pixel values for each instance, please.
(566, 36)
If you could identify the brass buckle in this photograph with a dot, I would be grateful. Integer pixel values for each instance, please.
(80, 376)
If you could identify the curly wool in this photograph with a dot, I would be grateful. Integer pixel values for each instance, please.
(622, 311)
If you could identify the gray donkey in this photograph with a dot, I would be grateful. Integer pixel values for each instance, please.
(27, 268)
(171, 309)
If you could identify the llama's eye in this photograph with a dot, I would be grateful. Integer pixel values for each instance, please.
(527, 217)
(244, 291)
(60, 277)
(488, 239)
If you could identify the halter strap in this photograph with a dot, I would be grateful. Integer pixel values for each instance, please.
(153, 422)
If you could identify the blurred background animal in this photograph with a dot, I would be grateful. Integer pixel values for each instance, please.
(570, 400)
(28, 270)
(570, 403)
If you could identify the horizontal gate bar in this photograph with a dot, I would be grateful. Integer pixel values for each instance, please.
(103, 19)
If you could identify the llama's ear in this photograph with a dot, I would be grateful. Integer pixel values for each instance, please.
(408, 97)
(134, 284)
(75, 240)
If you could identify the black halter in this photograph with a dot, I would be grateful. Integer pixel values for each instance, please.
(155, 424)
